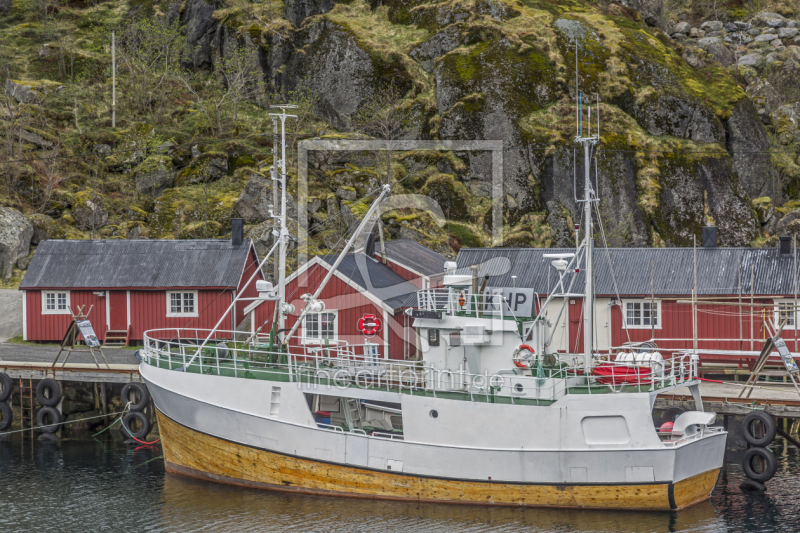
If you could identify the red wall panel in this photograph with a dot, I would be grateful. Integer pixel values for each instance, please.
(53, 327)
(249, 290)
(118, 307)
(149, 311)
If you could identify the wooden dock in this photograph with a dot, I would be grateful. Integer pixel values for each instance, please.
(88, 372)
(781, 401)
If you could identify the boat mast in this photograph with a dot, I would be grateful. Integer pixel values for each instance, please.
(588, 142)
(283, 230)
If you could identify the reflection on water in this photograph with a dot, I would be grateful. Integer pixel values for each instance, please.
(94, 485)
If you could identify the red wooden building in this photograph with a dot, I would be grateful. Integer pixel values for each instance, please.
(413, 262)
(644, 294)
(361, 286)
(131, 286)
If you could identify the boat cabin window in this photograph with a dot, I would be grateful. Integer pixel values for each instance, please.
(320, 326)
(642, 313)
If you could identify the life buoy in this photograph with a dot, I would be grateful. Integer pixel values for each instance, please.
(518, 363)
(369, 325)
(461, 300)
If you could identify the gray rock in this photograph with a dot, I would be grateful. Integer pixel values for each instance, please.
(200, 28)
(755, 60)
(45, 228)
(794, 24)
(776, 44)
(712, 25)
(195, 152)
(650, 10)
(682, 27)
(154, 175)
(346, 194)
(796, 40)
(296, 11)
(36, 139)
(788, 218)
(766, 37)
(102, 149)
(679, 37)
(23, 263)
(693, 60)
(742, 26)
(437, 45)
(749, 143)
(90, 216)
(697, 33)
(715, 34)
(753, 32)
(787, 33)
(777, 23)
(708, 41)
(772, 57)
(729, 27)
(722, 54)
(255, 199)
(206, 168)
(16, 232)
(31, 92)
(135, 232)
(739, 38)
(762, 19)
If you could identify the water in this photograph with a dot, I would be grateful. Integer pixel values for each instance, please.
(104, 485)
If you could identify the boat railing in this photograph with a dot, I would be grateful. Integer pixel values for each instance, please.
(453, 302)
(361, 366)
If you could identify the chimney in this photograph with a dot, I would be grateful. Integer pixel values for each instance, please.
(237, 230)
(786, 244)
(709, 236)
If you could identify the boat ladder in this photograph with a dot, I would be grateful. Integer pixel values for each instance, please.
(352, 413)
(27, 420)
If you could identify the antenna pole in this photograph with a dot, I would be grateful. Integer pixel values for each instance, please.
(588, 228)
(283, 234)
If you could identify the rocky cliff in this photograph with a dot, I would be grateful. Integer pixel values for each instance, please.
(699, 114)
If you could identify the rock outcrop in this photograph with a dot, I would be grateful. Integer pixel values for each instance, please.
(16, 232)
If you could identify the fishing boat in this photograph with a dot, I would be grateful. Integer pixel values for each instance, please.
(490, 414)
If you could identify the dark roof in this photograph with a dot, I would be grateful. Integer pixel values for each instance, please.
(374, 277)
(672, 269)
(146, 263)
(415, 256)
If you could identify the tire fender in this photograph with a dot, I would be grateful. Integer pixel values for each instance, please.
(142, 418)
(771, 464)
(769, 428)
(8, 416)
(7, 386)
(40, 419)
(144, 395)
(51, 385)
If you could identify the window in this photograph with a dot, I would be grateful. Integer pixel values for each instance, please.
(319, 326)
(642, 314)
(785, 311)
(182, 303)
(55, 303)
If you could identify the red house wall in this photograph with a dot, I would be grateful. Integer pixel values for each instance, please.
(249, 290)
(403, 273)
(149, 311)
(53, 327)
(350, 305)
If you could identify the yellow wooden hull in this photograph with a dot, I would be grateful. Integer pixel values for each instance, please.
(199, 455)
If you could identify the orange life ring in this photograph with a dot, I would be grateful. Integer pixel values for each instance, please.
(524, 347)
(461, 300)
(369, 325)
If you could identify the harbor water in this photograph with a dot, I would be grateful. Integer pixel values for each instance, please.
(102, 484)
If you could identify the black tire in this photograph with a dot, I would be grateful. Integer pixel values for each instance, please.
(41, 419)
(751, 436)
(770, 464)
(8, 416)
(144, 395)
(51, 387)
(671, 414)
(7, 386)
(751, 486)
(143, 419)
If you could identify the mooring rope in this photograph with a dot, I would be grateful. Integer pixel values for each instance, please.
(69, 422)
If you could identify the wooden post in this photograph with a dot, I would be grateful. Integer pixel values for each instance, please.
(103, 402)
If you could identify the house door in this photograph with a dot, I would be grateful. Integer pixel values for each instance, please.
(118, 310)
(575, 325)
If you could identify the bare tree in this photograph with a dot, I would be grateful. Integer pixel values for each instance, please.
(219, 97)
(385, 116)
(149, 52)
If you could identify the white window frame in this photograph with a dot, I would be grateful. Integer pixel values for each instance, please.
(56, 311)
(182, 313)
(777, 314)
(640, 301)
(321, 340)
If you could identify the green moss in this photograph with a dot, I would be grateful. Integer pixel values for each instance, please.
(183, 206)
(467, 235)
